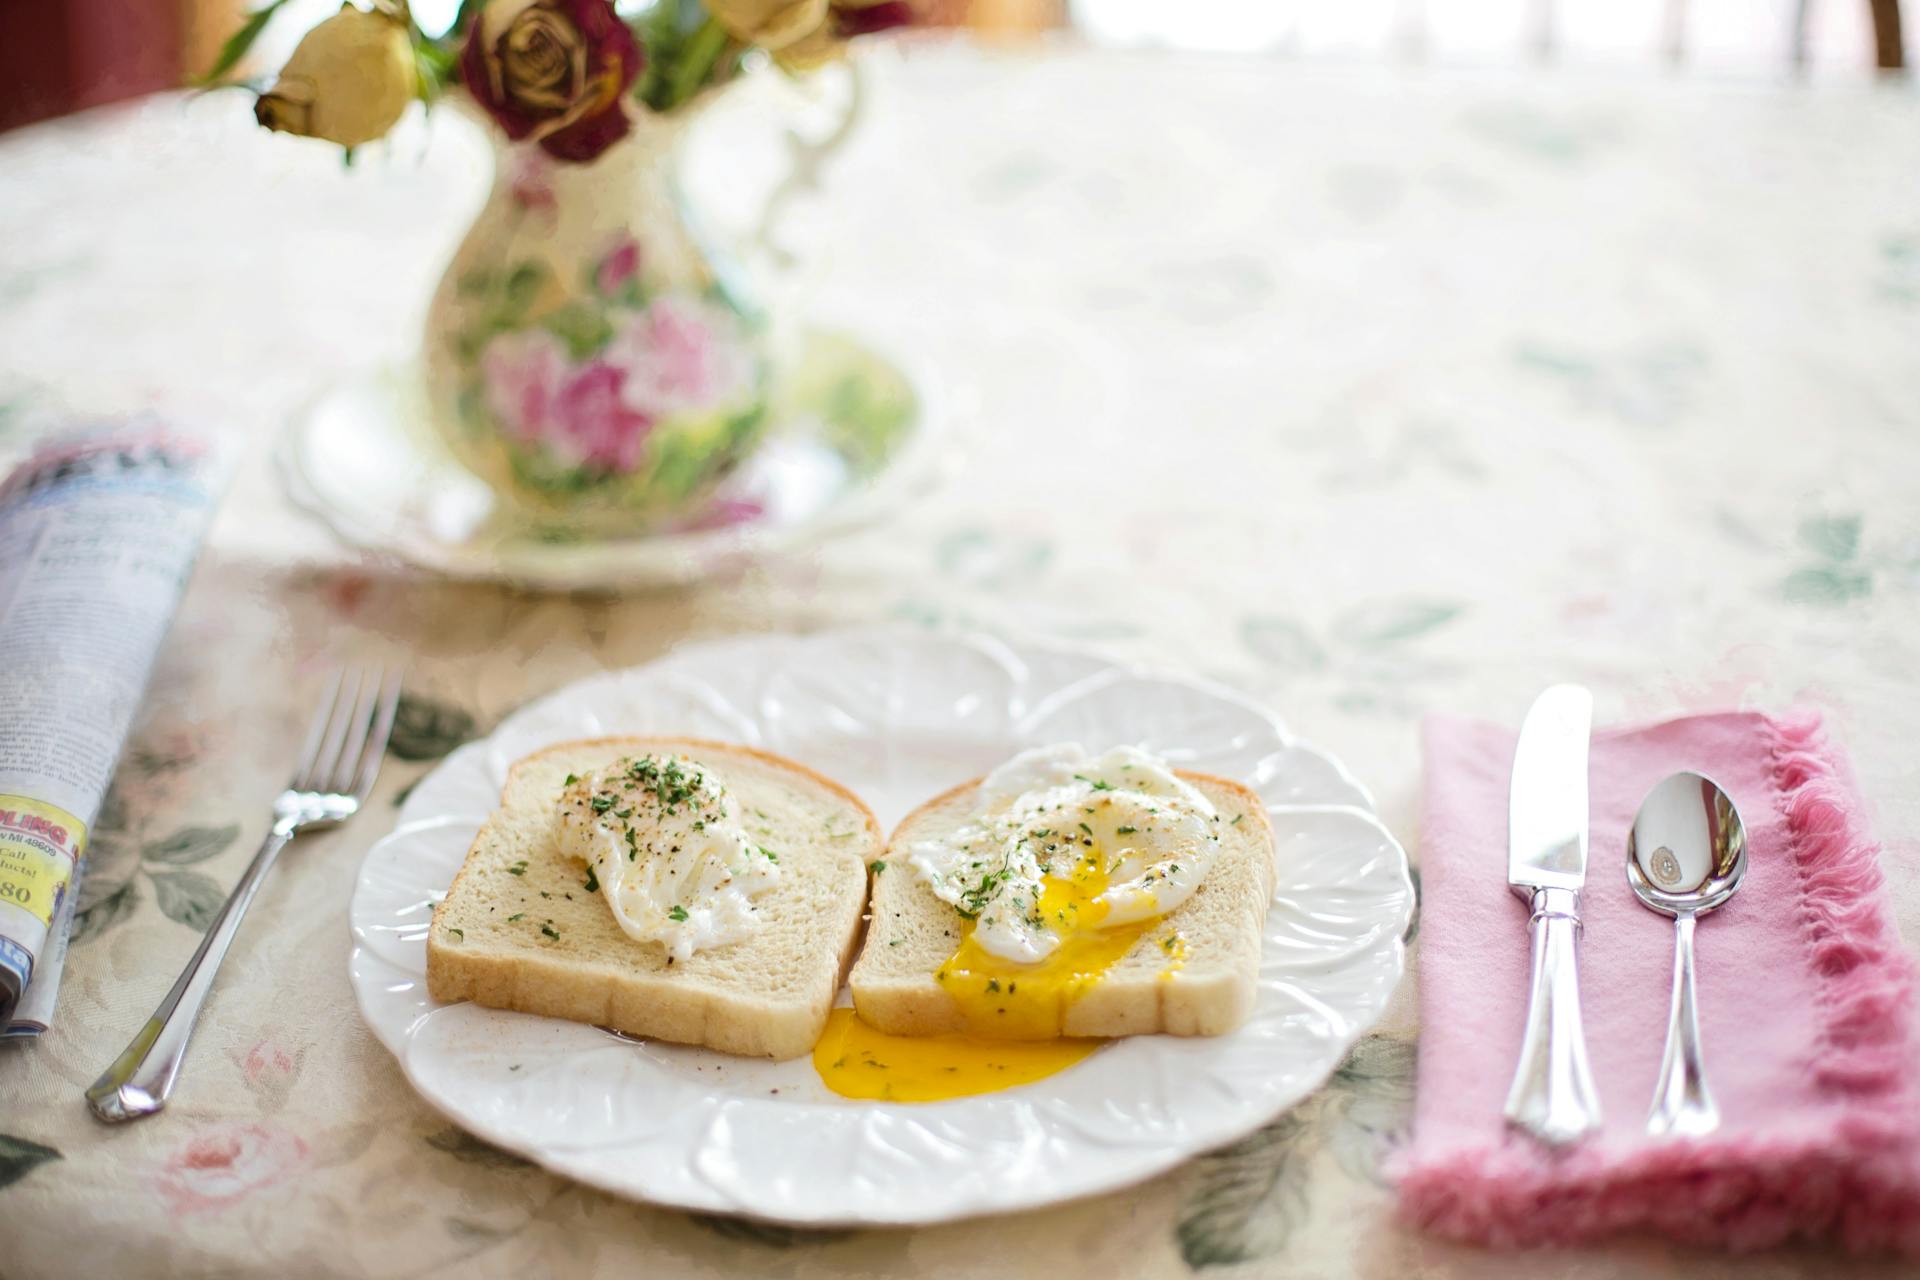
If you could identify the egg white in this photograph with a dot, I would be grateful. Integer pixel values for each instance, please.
(1040, 814)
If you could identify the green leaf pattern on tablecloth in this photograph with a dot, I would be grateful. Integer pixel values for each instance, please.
(95, 914)
(187, 897)
(190, 845)
(1248, 1200)
(21, 1156)
(1647, 385)
(118, 859)
(1367, 655)
(1837, 574)
(427, 728)
(463, 1146)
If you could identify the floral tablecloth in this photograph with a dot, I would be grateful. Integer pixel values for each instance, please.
(1370, 393)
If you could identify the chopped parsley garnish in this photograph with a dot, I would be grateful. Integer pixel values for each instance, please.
(1095, 783)
(993, 984)
(602, 803)
(678, 915)
(877, 866)
(593, 881)
(518, 869)
(516, 917)
(1125, 831)
(972, 900)
(1084, 827)
(459, 933)
(670, 782)
(1236, 819)
(550, 931)
(571, 779)
(769, 855)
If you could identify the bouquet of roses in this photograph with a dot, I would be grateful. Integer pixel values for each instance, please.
(566, 74)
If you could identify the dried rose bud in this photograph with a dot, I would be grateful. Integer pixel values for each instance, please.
(348, 81)
(556, 71)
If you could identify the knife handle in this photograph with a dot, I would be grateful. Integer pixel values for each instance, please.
(1552, 1096)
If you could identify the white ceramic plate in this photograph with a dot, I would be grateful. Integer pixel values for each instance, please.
(855, 436)
(897, 716)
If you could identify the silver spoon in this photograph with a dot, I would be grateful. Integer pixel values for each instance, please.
(1686, 855)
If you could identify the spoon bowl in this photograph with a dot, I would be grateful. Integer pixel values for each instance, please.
(1687, 850)
(1686, 855)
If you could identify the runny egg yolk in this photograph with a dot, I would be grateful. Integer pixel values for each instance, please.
(855, 1061)
(1008, 1000)
(1014, 1012)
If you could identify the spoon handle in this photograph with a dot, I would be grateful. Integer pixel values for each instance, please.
(1682, 1105)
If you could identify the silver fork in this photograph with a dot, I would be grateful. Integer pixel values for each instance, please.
(337, 768)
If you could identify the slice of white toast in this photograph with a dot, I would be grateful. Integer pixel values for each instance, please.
(520, 929)
(1192, 973)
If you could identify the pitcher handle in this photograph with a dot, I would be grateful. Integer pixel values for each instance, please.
(807, 161)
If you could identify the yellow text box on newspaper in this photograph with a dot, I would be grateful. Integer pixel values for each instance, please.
(39, 845)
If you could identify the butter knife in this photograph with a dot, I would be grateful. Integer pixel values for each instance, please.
(1552, 1096)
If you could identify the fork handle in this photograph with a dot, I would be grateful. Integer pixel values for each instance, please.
(141, 1078)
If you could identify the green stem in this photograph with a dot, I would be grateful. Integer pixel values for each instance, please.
(696, 62)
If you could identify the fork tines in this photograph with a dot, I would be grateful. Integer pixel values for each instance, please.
(349, 732)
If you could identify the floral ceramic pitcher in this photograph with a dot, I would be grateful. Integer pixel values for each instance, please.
(585, 355)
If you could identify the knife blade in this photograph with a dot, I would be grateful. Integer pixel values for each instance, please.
(1552, 1095)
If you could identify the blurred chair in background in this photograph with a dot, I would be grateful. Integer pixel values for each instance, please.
(58, 56)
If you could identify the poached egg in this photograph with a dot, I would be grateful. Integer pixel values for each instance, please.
(666, 852)
(1067, 860)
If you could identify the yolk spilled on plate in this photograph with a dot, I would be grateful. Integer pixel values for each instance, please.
(855, 1061)
(1014, 1012)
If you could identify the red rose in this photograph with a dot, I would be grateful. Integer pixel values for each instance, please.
(853, 18)
(553, 70)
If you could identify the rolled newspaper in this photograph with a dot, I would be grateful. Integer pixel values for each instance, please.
(99, 529)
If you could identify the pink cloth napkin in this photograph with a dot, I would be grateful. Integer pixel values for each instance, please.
(1806, 1009)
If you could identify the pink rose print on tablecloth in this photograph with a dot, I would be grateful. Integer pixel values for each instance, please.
(265, 1059)
(226, 1164)
(594, 422)
(524, 373)
(681, 355)
(271, 1072)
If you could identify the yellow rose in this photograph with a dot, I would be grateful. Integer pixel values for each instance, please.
(770, 24)
(348, 81)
